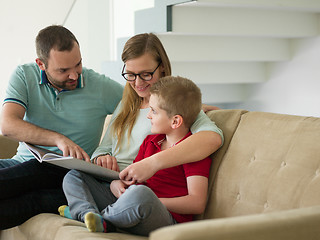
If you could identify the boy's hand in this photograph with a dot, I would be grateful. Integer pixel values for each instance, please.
(118, 187)
(107, 161)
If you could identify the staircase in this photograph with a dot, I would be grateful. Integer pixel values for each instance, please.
(226, 45)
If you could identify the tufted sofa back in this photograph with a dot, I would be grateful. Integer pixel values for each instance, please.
(269, 162)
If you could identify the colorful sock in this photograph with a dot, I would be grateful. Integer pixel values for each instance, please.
(95, 222)
(64, 211)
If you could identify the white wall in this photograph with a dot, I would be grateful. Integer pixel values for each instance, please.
(96, 24)
(89, 21)
(293, 86)
(123, 20)
(20, 22)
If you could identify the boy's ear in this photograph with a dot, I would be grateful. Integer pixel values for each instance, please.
(41, 64)
(177, 121)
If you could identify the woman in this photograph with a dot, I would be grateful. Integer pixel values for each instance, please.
(145, 62)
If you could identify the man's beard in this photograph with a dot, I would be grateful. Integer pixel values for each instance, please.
(61, 85)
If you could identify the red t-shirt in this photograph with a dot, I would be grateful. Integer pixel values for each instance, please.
(171, 182)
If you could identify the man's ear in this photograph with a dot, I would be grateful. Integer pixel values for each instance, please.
(41, 64)
(177, 121)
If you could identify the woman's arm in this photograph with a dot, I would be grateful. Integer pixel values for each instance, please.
(102, 156)
(194, 202)
(206, 139)
(194, 148)
(105, 146)
(207, 108)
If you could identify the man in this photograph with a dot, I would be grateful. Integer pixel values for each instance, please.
(57, 104)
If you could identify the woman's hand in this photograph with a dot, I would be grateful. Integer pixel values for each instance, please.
(207, 108)
(139, 171)
(107, 161)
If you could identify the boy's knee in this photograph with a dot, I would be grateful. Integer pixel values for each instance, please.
(70, 177)
(141, 193)
(140, 189)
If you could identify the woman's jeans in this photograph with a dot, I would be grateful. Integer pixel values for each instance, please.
(138, 210)
(27, 189)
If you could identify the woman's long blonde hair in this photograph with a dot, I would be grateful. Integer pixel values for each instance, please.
(135, 47)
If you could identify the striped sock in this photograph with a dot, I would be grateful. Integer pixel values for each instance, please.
(64, 211)
(95, 222)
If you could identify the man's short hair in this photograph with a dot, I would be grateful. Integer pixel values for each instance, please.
(54, 37)
(178, 96)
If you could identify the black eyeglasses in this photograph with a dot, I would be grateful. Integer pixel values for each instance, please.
(145, 76)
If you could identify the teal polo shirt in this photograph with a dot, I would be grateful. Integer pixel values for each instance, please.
(78, 114)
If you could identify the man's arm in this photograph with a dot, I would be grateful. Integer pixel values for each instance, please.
(194, 202)
(13, 126)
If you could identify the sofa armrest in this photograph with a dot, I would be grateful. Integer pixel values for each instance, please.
(8, 147)
(296, 224)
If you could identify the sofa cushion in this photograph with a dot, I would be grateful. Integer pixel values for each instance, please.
(48, 226)
(272, 163)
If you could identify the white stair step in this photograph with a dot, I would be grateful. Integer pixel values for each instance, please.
(221, 72)
(224, 93)
(295, 5)
(182, 47)
(203, 72)
(217, 20)
(113, 70)
(212, 92)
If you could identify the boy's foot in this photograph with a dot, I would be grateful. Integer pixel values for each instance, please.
(64, 211)
(95, 223)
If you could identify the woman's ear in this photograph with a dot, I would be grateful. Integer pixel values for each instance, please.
(163, 74)
(177, 121)
(41, 64)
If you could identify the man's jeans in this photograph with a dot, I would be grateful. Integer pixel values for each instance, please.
(138, 210)
(27, 189)
(4, 163)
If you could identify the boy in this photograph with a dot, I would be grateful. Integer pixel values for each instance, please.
(172, 195)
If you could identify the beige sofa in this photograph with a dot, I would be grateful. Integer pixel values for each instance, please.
(265, 184)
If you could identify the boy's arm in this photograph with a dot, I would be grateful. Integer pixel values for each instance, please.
(194, 202)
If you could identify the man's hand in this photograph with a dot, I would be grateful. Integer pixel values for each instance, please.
(107, 161)
(118, 187)
(69, 148)
(139, 171)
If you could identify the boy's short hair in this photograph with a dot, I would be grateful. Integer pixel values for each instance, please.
(178, 96)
